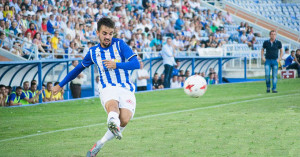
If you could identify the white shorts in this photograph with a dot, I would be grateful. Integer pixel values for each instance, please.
(125, 97)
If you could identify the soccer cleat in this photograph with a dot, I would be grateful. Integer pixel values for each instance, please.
(94, 151)
(274, 91)
(113, 127)
(268, 90)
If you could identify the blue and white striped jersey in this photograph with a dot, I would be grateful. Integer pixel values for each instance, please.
(118, 51)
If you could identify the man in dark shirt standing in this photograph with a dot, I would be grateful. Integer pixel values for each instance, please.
(271, 60)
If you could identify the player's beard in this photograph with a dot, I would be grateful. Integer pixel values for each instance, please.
(105, 45)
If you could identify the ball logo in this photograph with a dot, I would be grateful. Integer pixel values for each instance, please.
(189, 87)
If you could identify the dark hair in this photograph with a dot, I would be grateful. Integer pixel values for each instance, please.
(32, 84)
(56, 83)
(49, 83)
(297, 50)
(293, 51)
(1, 85)
(272, 31)
(19, 87)
(106, 22)
(25, 82)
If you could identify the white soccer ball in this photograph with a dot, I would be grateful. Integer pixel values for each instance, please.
(195, 86)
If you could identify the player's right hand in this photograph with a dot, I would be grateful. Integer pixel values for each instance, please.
(263, 59)
(56, 89)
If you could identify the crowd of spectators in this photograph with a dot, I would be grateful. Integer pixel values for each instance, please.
(28, 94)
(69, 27)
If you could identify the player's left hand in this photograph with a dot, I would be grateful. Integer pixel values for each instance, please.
(110, 64)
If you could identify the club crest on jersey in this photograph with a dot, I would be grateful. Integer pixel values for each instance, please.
(116, 60)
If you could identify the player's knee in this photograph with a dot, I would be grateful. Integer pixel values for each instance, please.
(124, 122)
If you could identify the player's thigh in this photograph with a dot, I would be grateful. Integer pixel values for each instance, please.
(109, 98)
(125, 116)
(127, 101)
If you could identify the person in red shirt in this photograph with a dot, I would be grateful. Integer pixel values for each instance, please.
(31, 30)
(44, 25)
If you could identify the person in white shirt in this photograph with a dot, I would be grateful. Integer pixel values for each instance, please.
(175, 83)
(142, 77)
(96, 91)
(169, 61)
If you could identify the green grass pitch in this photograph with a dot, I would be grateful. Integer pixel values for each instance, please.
(229, 120)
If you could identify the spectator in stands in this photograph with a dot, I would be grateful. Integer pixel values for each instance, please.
(216, 78)
(228, 18)
(252, 42)
(4, 42)
(271, 59)
(210, 79)
(170, 29)
(13, 27)
(76, 83)
(48, 93)
(2, 24)
(156, 84)
(38, 41)
(142, 77)
(54, 42)
(243, 37)
(59, 95)
(178, 44)
(241, 28)
(16, 49)
(27, 45)
(175, 83)
(44, 26)
(296, 59)
(1, 12)
(51, 25)
(7, 11)
(31, 30)
(187, 73)
(87, 47)
(168, 54)
(179, 22)
(73, 51)
(77, 42)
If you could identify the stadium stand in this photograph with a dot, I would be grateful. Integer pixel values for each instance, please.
(287, 14)
(144, 25)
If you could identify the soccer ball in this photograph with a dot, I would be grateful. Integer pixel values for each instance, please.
(195, 86)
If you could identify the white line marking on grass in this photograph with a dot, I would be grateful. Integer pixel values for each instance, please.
(148, 116)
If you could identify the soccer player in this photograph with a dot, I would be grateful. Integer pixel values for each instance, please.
(114, 58)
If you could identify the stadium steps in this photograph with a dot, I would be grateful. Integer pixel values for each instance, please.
(8, 56)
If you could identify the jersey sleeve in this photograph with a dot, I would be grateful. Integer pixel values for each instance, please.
(87, 61)
(30, 95)
(126, 50)
(264, 44)
(279, 45)
(22, 95)
(12, 97)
